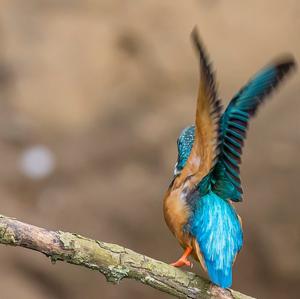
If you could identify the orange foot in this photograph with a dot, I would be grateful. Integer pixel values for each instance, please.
(183, 261)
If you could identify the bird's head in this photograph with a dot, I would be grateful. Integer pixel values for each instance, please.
(184, 146)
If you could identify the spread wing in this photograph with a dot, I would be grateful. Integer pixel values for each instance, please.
(208, 111)
(234, 124)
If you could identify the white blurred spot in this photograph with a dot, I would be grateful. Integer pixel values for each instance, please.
(37, 162)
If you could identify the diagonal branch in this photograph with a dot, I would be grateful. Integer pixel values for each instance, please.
(114, 261)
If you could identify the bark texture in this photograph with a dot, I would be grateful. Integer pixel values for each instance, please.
(114, 261)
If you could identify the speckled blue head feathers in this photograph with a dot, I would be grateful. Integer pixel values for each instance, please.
(184, 145)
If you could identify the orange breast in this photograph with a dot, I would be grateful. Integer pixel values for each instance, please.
(176, 213)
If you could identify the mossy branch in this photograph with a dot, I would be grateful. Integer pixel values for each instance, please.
(114, 261)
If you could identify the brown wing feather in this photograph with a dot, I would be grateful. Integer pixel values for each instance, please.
(205, 147)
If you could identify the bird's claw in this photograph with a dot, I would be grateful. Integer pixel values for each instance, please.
(182, 262)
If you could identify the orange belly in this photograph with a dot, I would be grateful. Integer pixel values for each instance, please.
(176, 213)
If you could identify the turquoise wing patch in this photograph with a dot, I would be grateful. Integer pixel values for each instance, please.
(234, 124)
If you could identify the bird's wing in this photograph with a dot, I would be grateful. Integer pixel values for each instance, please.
(208, 111)
(234, 123)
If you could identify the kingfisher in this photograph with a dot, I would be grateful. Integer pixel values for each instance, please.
(198, 205)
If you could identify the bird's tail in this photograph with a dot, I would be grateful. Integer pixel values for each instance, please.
(218, 233)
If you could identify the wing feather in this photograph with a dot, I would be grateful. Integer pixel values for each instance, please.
(234, 125)
(205, 146)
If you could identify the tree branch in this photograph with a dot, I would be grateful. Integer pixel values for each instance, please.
(114, 261)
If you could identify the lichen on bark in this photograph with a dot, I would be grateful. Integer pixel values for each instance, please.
(113, 261)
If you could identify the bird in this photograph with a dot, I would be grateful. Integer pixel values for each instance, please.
(199, 203)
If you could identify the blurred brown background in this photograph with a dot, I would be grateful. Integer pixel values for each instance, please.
(93, 96)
